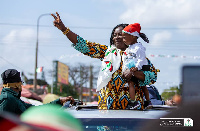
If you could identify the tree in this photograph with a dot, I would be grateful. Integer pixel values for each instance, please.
(39, 82)
(79, 75)
(66, 90)
(169, 93)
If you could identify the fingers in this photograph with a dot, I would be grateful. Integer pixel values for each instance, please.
(55, 24)
(58, 16)
(169, 103)
(71, 99)
(65, 99)
(133, 69)
(54, 16)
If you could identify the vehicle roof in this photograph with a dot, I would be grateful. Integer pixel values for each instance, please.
(155, 113)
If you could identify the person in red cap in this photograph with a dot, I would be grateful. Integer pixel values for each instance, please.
(134, 58)
(112, 89)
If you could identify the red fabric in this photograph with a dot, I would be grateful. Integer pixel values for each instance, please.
(10, 122)
(132, 28)
(7, 125)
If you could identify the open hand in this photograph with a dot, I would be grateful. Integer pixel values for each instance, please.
(58, 22)
(169, 102)
(127, 74)
(133, 69)
(65, 99)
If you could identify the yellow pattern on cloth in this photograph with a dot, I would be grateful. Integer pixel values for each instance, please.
(115, 95)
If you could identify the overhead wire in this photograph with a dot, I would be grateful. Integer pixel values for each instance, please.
(10, 63)
(85, 27)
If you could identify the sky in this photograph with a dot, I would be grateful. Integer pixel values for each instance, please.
(172, 26)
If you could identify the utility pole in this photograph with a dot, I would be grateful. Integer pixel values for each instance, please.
(91, 83)
(81, 83)
(36, 52)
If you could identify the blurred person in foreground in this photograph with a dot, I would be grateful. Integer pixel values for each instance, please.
(42, 118)
(10, 95)
(187, 111)
(51, 118)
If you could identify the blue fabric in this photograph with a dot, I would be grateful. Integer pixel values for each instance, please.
(149, 76)
(130, 64)
(155, 96)
(81, 45)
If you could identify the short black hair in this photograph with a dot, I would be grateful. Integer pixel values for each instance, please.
(111, 37)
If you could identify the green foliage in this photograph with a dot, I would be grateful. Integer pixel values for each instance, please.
(169, 93)
(39, 82)
(64, 90)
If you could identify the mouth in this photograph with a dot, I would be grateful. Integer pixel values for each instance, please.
(126, 44)
(118, 41)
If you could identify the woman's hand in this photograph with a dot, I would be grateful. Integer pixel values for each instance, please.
(58, 22)
(133, 69)
(169, 102)
(127, 74)
(138, 74)
(65, 99)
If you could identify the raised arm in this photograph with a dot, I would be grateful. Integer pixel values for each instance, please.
(66, 31)
(92, 49)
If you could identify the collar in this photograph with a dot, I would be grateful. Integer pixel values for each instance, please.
(15, 85)
(10, 91)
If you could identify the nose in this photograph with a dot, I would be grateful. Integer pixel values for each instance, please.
(118, 36)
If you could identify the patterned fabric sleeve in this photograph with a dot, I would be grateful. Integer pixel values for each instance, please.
(92, 49)
(150, 76)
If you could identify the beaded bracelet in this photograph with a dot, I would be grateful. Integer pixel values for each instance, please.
(66, 31)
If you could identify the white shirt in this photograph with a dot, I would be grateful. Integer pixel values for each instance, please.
(135, 54)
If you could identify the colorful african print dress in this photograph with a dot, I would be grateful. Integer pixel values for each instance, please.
(115, 95)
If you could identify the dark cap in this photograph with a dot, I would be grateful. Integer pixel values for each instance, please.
(10, 76)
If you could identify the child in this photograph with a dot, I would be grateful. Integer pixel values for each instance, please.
(134, 58)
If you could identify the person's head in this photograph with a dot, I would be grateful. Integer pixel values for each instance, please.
(129, 39)
(116, 37)
(131, 33)
(11, 79)
(51, 117)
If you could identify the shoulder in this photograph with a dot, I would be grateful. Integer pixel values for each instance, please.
(7, 96)
(4, 100)
(141, 48)
(139, 45)
(132, 47)
(3, 96)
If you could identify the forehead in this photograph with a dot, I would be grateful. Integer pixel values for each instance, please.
(126, 34)
(118, 30)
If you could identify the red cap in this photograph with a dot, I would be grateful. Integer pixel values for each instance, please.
(133, 29)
